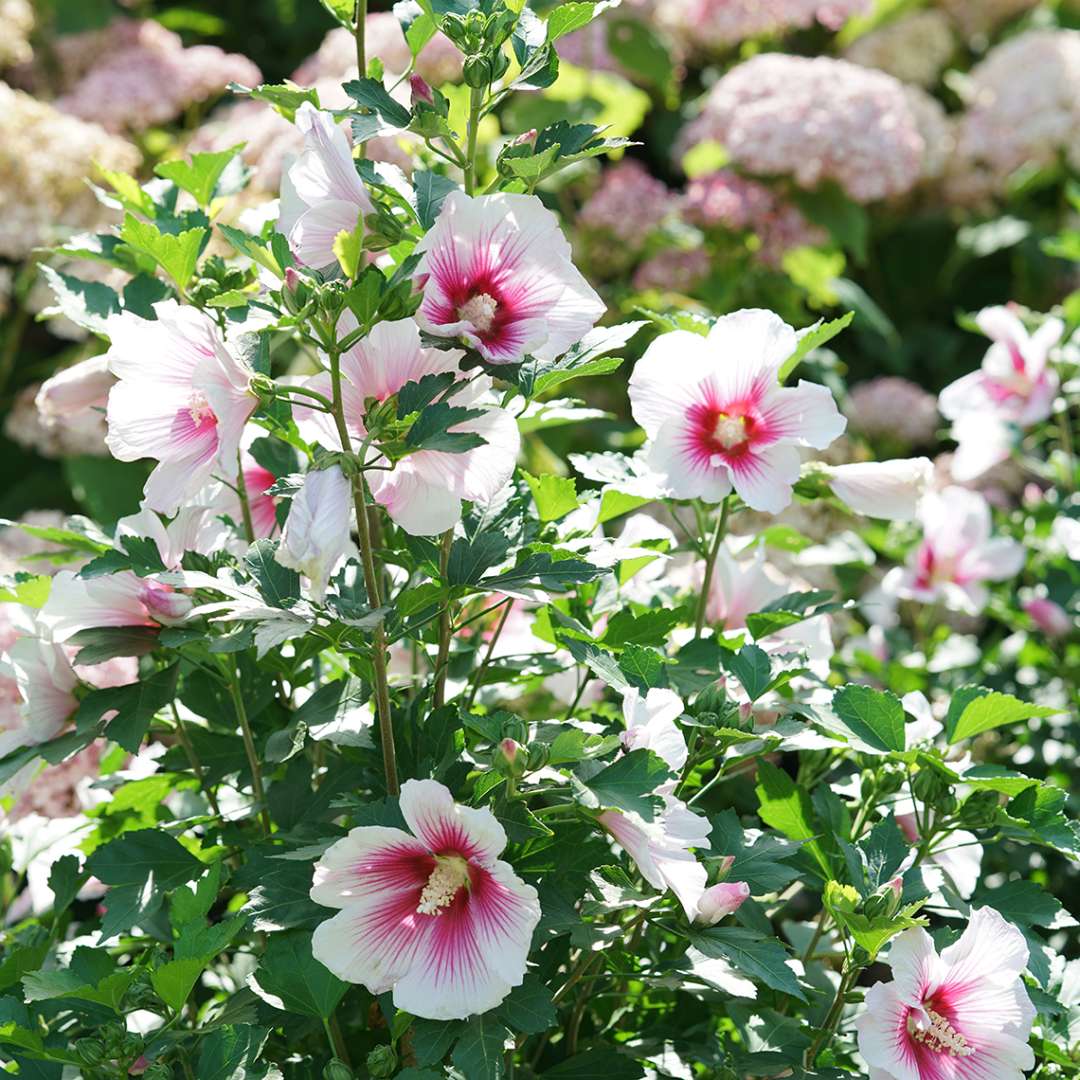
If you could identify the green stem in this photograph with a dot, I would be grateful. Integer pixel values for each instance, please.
(371, 584)
(193, 759)
(1065, 436)
(710, 564)
(360, 33)
(249, 746)
(12, 340)
(832, 1019)
(476, 101)
(478, 677)
(242, 495)
(444, 625)
(337, 1039)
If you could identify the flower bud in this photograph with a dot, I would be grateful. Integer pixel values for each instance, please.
(539, 756)
(478, 71)
(316, 533)
(338, 1070)
(883, 489)
(723, 867)
(721, 900)
(82, 386)
(515, 728)
(746, 715)
(712, 699)
(929, 785)
(979, 810)
(90, 1051)
(885, 902)
(510, 758)
(1052, 619)
(526, 138)
(382, 1061)
(420, 90)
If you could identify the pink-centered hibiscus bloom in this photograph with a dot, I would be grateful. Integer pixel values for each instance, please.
(182, 398)
(963, 1015)
(957, 555)
(1015, 385)
(121, 599)
(322, 193)
(435, 916)
(496, 271)
(424, 491)
(717, 417)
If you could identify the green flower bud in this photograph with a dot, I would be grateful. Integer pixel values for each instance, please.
(890, 781)
(979, 810)
(338, 1070)
(712, 699)
(382, 1061)
(478, 71)
(90, 1051)
(859, 957)
(930, 786)
(515, 728)
(539, 755)
(509, 758)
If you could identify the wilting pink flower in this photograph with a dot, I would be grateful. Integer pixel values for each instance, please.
(316, 534)
(322, 193)
(650, 725)
(1052, 619)
(717, 417)
(957, 554)
(661, 848)
(122, 599)
(424, 491)
(187, 409)
(883, 489)
(963, 1015)
(436, 916)
(719, 901)
(1014, 385)
(496, 271)
(73, 390)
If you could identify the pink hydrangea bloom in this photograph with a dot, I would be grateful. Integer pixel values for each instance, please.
(961, 1015)
(322, 193)
(815, 120)
(496, 271)
(673, 271)
(435, 916)
(629, 204)
(957, 554)
(717, 417)
(187, 410)
(890, 407)
(152, 79)
(424, 491)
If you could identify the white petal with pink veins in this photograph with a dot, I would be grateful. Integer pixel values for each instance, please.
(672, 453)
(765, 478)
(431, 813)
(754, 340)
(665, 381)
(370, 860)
(76, 603)
(805, 414)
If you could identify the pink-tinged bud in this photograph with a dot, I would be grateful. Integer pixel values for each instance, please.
(746, 712)
(721, 900)
(420, 90)
(510, 759)
(509, 750)
(292, 278)
(725, 865)
(163, 603)
(526, 138)
(82, 386)
(1052, 619)
(896, 886)
(139, 1065)
(1033, 495)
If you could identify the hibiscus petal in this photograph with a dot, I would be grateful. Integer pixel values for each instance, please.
(371, 860)
(431, 813)
(765, 478)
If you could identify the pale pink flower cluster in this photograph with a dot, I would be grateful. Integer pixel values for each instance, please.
(47, 156)
(724, 199)
(979, 17)
(1023, 111)
(153, 79)
(73, 436)
(716, 24)
(629, 204)
(815, 120)
(891, 407)
(672, 270)
(16, 24)
(914, 48)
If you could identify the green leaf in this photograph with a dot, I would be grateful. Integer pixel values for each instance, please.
(176, 253)
(555, 496)
(193, 905)
(874, 716)
(1022, 902)
(643, 667)
(65, 880)
(348, 248)
(430, 430)
(231, 1053)
(847, 222)
(568, 17)
(872, 933)
(290, 978)
(100, 643)
(752, 667)
(762, 863)
(415, 396)
(630, 782)
(762, 958)
(651, 627)
(278, 585)
(285, 97)
(588, 357)
(88, 304)
(540, 570)
(529, 1008)
(975, 709)
(135, 706)
(479, 1051)
(379, 113)
(172, 982)
(253, 248)
(200, 175)
(639, 50)
(342, 10)
(813, 338)
(597, 1063)
(432, 1039)
(137, 857)
(788, 808)
(430, 190)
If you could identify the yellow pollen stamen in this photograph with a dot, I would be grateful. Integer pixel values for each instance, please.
(480, 311)
(940, 1036)
(451, 873)
(730, 431)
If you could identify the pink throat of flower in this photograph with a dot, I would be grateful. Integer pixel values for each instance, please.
(479, 310)
(934, 1031)
(199, 409)
(450, 875)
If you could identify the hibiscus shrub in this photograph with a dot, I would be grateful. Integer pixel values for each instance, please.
(397, 758)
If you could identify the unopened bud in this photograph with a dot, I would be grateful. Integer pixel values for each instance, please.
(746, 714)
(980, 809)
(338, 1070)
(90, 1051)
(885, 902)
(526, 138)
(929, 786)
(73, 390)
(420, 90)
(478, 71)
(382, 1061)
(515, 728)
(510, 758)
(539, 755)
(721, 900)
(1052, 619)
(724, 866)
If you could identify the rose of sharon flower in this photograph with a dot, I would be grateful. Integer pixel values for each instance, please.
(720, 901)
(46, 683)
(435, 916)
(496, 272)
(882, 489)
(424, 491)
(957, 554)
(322, 193)
(717, 417)
(187, 409)
(963, 1015)
(650, 725)
(1014, 385)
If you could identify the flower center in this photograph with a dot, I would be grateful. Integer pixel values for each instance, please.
(730, 431)
(480, 311)
(940, 1036)
(450, 874)
(199, 409)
